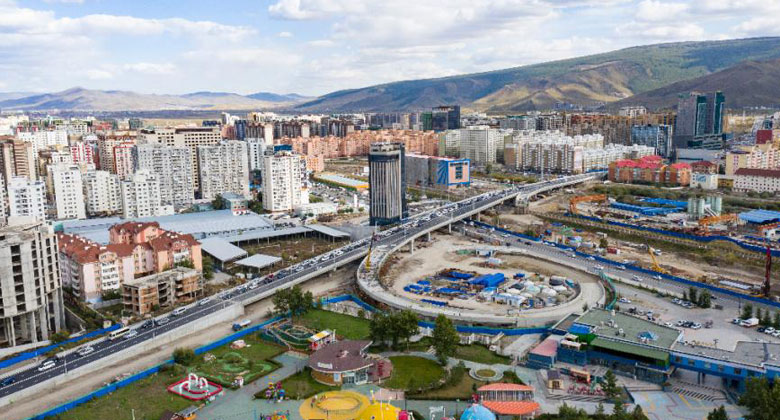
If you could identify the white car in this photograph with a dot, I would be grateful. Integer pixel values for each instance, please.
(86, 350)
(46, 365)
(624, 300)
(131, 334)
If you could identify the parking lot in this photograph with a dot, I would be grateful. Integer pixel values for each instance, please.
(704, 326)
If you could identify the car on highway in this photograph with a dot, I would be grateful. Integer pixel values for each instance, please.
(7, 381)
(85, 351)
(49, 364)
(624, 300)
(147, 324)
(204, 301)
(131, 334)
(179, 311)
(162, 321)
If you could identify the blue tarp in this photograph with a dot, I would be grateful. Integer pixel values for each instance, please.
(459, 275)
(760, 216)
(447, 290)
(488, 280)
(647, 211)
(579, 329)
(435, 302)
(665, 202)
(424, 282)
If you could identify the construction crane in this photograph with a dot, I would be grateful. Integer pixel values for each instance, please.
(705, 222)
(656, 267)
(585, 199)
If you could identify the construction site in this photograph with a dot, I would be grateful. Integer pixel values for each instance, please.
(695, 238)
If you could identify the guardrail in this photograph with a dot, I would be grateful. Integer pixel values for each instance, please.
(27, 355)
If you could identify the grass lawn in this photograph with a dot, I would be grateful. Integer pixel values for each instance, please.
(148, 397)
(347, 326)
(251, 362)
(480, 354)
(419, 371)
(458, 386)
(301, 386)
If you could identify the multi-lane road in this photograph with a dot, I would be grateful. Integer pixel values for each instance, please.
(256, 288)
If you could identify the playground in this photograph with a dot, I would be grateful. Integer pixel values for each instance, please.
(195, 388)
(238, 363)
(287, 334)
(334, 405)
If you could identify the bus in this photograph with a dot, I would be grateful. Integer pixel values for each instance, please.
(113, 335)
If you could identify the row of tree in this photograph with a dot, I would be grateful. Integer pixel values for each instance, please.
(702, 300)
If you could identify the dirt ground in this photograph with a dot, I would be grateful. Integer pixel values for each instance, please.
(32, 405)
(439, 255)
(677, 264)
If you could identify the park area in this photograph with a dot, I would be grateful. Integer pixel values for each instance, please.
(346, 326)
(223, 364)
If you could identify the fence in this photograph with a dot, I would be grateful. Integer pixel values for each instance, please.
(43, 350)
(148, 372)
(651, 272)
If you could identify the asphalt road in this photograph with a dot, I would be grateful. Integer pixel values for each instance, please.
(335, 258)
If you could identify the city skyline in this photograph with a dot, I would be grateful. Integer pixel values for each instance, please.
(316, 47)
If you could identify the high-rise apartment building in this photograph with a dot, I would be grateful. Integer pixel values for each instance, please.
(282, 181)
(446, 117)
(66, 191)
(27, 198)
(191, 137)
(30, 288)
(141, 196)
(124, 162)
(657, 136)
(173, 167)
(102, 193)
(387, 183)
(699, 123)
(223, 168)
(43, 139)
(479, 144)
(255, 151)
(17, 159)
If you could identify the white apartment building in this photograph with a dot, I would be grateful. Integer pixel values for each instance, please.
(27, 198)
(124, 164)
(479, 144)
(256, 149)
(173, 167)
(44, 139)
(223, 168)
(141, 196)
(66, 191)
(283, 187)
(758, 180)
(3, 212)
(102, 193)
(191, 137)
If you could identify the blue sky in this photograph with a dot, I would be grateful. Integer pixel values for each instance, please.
(314, 47)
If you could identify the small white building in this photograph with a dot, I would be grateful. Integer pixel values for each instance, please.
(704, 181)
(316, 209)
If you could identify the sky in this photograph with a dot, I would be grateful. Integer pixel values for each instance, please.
(313, 47)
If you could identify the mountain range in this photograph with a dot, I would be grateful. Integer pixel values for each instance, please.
(80, 99)
(600, 78)
(747, 70)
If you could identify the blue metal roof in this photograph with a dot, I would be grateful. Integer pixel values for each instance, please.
(760, 216)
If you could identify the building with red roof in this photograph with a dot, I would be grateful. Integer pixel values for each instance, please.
(505, 399)
(156, 249)
(649, 170)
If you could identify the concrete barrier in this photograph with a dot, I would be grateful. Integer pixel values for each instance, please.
(225, 315)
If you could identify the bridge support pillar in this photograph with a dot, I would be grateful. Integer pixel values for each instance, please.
(411, 246)
(449, 228)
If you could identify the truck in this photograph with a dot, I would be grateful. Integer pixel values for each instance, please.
(241, 324)
(749, 323)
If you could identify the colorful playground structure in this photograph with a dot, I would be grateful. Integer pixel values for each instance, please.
(274, 392)
(195, 388)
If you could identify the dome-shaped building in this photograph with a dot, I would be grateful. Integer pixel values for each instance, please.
(380, 411)
(477, 412)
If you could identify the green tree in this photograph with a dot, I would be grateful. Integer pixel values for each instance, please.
(293, 301)
(208, 267)
(718, 414)
(60, 336)
(747, 311)
(184, 356)
(619, 412)
(445, 339)
(406, 325)
(610, 386)
(761, 400)
(379, 329)
(705, 299)
(776, 321)
(637, 413)
(600, 413)
(218, 203)
(571, 413)
(603, 243)
(766, 319)
(692, 294)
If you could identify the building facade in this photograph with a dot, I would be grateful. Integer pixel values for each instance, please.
(66, 191)
(758, 180)
(190, 137)
(173, 167)
(90, 270)
(30, 287)
(387, 183)
(141, 196)
(283, 175)
(657, 136)
(223, 168)
(102, 193)
(27, 198)
(178, 285)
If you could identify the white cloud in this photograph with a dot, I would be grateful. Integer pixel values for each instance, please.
(97, 74)
(285, 34)
(658, 11)
(656, 32)
(150, 68)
